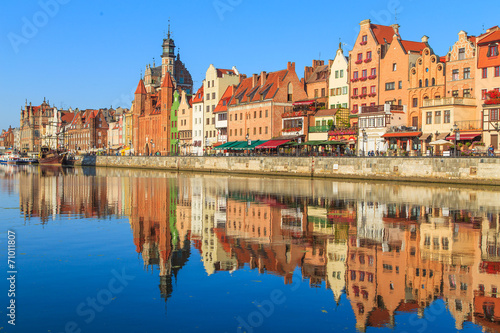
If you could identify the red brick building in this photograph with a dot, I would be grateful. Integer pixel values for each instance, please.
(87, 131)
(7, 138)
(151, 119)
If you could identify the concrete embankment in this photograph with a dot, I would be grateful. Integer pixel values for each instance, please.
(485, 171)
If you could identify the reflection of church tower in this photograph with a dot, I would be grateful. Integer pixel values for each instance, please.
(168, 56)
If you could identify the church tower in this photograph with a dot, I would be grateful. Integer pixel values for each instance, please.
(168, 56)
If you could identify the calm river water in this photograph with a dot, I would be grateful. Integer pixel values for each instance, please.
(112, 250)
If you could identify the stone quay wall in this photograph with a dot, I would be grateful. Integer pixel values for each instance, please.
(485, 171)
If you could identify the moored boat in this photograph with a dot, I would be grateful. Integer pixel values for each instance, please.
(12, 159)
(51, 158)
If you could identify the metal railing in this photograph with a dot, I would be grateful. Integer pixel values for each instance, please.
(449, 101)
(469, 124)
(320, 129)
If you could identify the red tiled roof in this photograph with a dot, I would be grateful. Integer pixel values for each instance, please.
(245, 89)
(413, 46)
(472, 39)
(167, 81)
(483, 59)
(382, 32)
(442, 59)
(198, 98)
(67, 117)
(493, 37)
(141, 89)
(221, 72)
(224, 101)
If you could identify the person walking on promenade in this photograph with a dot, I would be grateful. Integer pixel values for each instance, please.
(491, 151)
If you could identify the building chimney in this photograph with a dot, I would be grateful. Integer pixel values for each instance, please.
(263, 77)
(255, 79)
(290, 66)
(425, 39)
(242, 77)
(330, 62)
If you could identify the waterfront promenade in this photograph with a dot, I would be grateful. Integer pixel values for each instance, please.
(480, 170)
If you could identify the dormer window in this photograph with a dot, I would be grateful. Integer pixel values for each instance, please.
(493, 50)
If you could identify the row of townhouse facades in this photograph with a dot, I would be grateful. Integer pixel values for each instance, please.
(387, 94)
(74, 130)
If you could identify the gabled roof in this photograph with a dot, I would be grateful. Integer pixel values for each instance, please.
(246, 90)
(382, 32)
(198, 97)
(413, 46)
(472, 39)
(67, 117)
(221, 72)
(493, 37)
(167, 81)
(319, 74)
(224, 101)
(141, 89)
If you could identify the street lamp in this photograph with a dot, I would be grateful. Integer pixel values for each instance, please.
(365, 140)
(205, 153)
(455, 130)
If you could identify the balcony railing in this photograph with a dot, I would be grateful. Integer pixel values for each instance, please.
(449, 101)
(381, 108)
(319, 129)
(398, 129)
(464, 125)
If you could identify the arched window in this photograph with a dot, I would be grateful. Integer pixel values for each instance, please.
(426, 82)
(433, 81)
(420, 83)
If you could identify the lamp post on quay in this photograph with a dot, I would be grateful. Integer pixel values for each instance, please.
(456, 131)
(365, 141)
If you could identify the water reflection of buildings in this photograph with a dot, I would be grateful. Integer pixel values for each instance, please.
(46, 192)
(160, 221)
(386, 255)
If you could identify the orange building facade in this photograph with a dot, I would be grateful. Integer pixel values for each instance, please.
(259, 101)
(427, 81)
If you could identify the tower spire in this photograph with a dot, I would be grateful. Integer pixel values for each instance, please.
(169, 28)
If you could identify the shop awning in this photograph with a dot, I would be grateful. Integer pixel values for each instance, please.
(217, 144)
(425, 136)
(332, 142)
(463, 136)
(311, 102)
(243, 145)
(227, 145)
(272, 144)
(401, 134)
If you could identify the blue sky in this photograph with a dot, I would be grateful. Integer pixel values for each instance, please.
(90, 54)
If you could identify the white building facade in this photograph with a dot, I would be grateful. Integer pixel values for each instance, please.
(338, 82)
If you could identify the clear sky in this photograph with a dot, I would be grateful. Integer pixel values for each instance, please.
(89, 54)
